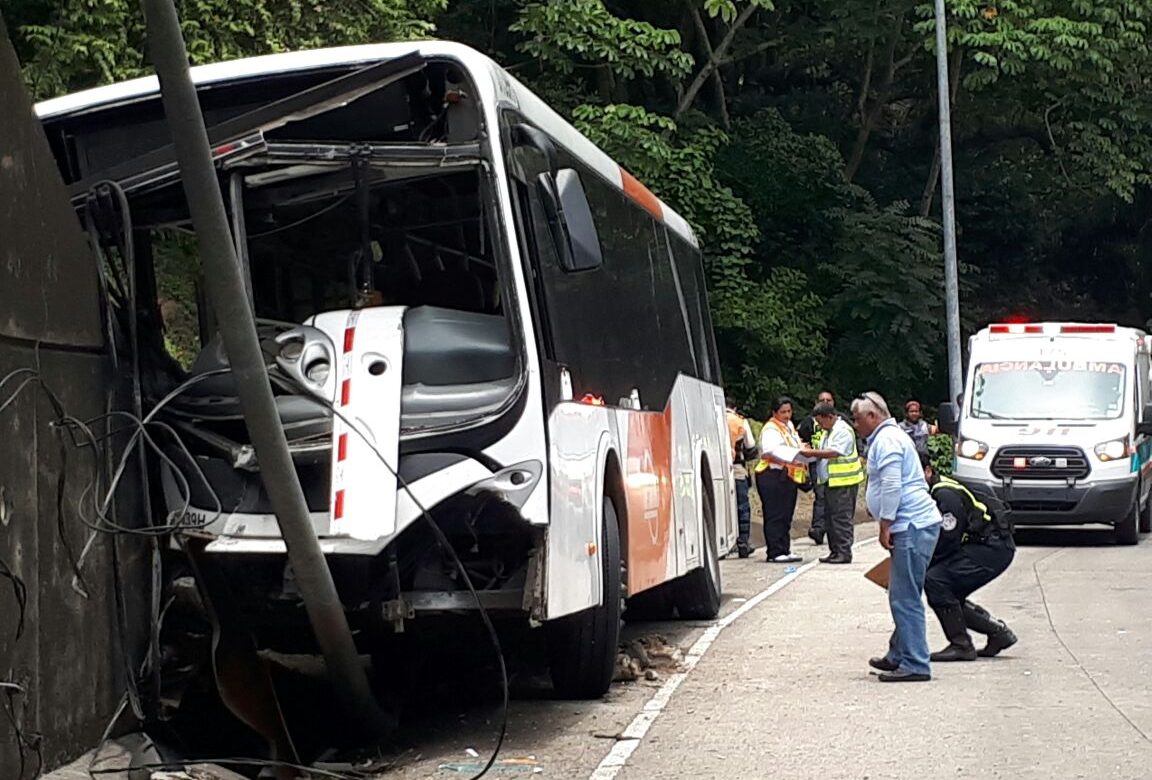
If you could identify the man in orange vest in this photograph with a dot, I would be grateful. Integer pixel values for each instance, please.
(743, 450)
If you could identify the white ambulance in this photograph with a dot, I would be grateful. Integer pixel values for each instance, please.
(1055, 421)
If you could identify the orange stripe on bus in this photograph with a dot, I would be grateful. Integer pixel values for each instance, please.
(641, 194)
(648, 491)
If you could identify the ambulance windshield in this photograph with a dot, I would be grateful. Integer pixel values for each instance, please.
(1049, 390)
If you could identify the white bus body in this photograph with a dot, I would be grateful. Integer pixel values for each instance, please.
(515, 395)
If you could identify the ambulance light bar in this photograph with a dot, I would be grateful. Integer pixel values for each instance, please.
(1036, 328)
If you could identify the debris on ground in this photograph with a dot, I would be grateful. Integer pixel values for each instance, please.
(524, 764)
(646, 657)
(198, 772)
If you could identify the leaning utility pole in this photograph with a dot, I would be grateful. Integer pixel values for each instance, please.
(948, 198)
(229, 300)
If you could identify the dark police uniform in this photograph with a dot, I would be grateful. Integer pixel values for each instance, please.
(974, 548)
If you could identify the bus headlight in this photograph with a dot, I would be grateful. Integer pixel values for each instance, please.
(318, 372)
(1117, 449)
(971, 449)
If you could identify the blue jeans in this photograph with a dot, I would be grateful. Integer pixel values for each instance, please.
(911, 551)
(743, 512)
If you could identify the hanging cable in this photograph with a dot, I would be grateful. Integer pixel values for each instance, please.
(446, 545)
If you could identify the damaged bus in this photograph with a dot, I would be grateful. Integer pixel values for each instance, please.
(472, 317)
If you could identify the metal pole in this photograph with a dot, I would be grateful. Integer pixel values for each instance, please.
(948, 198)
(228, 295)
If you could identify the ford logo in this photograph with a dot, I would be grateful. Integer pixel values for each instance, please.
(1041, 461)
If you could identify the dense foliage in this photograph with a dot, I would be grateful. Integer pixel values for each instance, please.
(798, 137)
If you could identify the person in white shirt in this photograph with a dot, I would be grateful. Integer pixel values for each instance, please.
(779, 474)
(840, 472)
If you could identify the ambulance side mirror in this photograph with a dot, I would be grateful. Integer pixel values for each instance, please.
(948, 418)
(1144, 427)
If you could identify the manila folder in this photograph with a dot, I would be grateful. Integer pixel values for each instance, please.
(881, 572)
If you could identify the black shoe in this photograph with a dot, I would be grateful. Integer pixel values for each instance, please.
(1001, 640)
(955, 652)
(835, 559)
(882, 663)
(745, 550)
(899, 676)
(816, 536)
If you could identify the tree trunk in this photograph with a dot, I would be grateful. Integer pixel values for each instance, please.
(605, 84)
(714, 61)
(717, 78)
(929, 195)
(870, 116)
(930, 186)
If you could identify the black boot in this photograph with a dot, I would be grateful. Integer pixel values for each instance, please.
(960, 647)
(1000, 637)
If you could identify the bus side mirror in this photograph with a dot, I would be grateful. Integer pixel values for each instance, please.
(948, 419)
(1144, 426)
(533, 138)
(570, 220)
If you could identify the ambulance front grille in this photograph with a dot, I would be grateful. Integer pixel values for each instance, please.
(1054, 463)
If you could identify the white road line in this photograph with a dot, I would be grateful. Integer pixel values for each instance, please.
(635, 731)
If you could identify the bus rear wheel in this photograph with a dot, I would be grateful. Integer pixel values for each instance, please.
(582, 647)
(697, 593)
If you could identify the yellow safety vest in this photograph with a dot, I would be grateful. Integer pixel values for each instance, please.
(796, 473)
(847, 470)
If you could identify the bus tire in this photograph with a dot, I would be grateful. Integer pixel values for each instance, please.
(582, 647)
(697, 593)
(650, 605)
(1127, 530)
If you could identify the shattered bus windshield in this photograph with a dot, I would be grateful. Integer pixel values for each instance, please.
(348, 188)
(416, 241)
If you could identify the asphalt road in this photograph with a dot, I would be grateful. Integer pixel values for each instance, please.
(783, 689)
(779, 686)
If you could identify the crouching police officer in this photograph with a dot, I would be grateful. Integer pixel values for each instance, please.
(974, 548)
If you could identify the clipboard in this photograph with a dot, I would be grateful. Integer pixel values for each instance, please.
(881, 572)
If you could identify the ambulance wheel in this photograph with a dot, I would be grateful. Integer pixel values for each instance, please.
(582, 647)
(1127, 530)
(697, 593)
(1146, 517)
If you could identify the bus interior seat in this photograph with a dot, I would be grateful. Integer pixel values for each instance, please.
(455, 360)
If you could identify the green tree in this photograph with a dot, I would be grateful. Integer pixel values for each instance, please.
(73, 44)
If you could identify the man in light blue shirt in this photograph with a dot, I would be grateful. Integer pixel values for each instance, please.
(909, 520)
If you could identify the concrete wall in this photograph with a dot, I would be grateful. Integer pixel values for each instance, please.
(68, 661)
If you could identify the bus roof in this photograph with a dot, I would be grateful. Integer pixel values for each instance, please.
(495, 83)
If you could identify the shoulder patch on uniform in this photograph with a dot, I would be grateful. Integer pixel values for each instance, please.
(949, 521)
